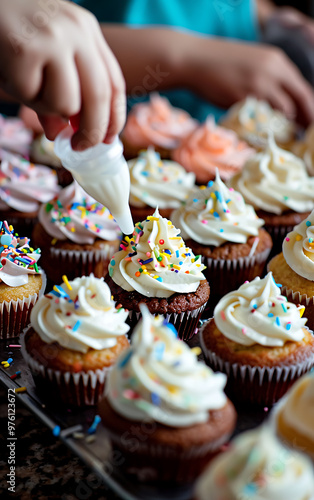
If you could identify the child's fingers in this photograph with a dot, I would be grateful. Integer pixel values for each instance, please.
(52, 125)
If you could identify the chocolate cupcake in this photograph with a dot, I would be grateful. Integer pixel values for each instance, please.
(156, 267)
(158, 385)
(260, 341)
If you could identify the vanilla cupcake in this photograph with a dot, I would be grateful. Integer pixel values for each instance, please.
(258, 467)
(23, 188)
(157, 268)
(75, 337)
(209, 147)
(259, 340)
(157, 183)
(294, 417)
(155, 123)
(77, 235)
(159, 382)
(217, 224)
(276, 183)
(305, 149)
(294, 267)
(253, 120)
(22, 282)
(14, 136)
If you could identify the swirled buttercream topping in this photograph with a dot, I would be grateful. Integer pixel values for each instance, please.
(298, 248)
(157, 123)
(211, 146)
(305, 150)
(158, 183)
(14, 135)
(76, 216)
(275, 181)
(257, 467)
(23, 185)
(257, 313)
(155, 261)
(79, 315)
(160, 378)
(18, 259)
(253, 120)
(43, 150)
(214, 214)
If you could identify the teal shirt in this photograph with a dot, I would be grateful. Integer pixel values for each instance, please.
(226, 18)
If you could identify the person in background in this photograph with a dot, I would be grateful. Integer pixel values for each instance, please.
(54, 59)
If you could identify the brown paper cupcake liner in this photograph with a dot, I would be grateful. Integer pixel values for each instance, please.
(184, 322)
(74, 389)
(261, 386)
(304, 300)
(152, 462)
(75, 263)
(227, 275)
(15, 315)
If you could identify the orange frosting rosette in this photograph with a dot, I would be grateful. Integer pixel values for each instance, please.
(156, 123)
(210, 147)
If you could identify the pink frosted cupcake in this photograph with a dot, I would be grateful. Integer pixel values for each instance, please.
(14, 136)
(155, 123)
(23, 188)
(210, 147)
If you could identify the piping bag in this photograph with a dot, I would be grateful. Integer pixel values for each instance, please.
(102, 171)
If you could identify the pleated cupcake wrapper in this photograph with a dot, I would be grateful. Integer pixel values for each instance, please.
(185, 322)
(159, 462)
(254, 384)
(227, 275)
(277, 233)
(74, 389)
(81, 262)
(304, 300)
(15, 315)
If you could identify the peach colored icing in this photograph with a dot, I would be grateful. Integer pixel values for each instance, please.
(157, 123)
(211, 146)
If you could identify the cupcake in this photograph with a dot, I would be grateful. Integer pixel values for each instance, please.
(157, 183)
(155, 123)
(21, 281)
(305, 149)
(209, 147)
(259, 340)
(253, 120)
(14, 136)
(257, 467)
(156, 267)
(294, 418)
(42, 151)
(75, 337)
(177, 403)
(217, 224)
(23, 188)
(77, 235)
(294, 267)
(276, 183)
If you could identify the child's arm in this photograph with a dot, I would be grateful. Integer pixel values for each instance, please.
(54, 59)
(221, 71)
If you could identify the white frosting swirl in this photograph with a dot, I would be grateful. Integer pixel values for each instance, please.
(76, 216)
(43, 151)
(158, 183)
(160, 377)
(298, 408)
(253, 120)
(156, 262)
(14, 135)
(18, 259)
(275, 181)
(257, 313)
(23, 185)
(81, 318)
(215, 214)
(298, 248)
(257, 467)
(305, 149)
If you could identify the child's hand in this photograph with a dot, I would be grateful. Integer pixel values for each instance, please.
(53, 58)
